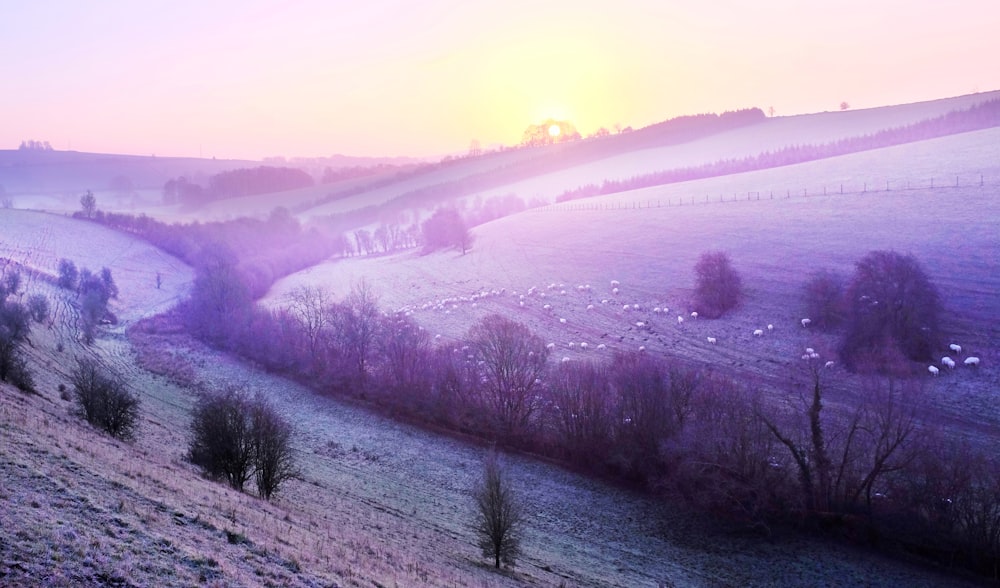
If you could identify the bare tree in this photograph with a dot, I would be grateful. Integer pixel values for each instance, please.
(273, 457)
(512, 363)
(404, 350)
(582, 410)
(310, 305)
(842, 458)
(89, 204)
(654, 401)
(357, 323)
(499, 514)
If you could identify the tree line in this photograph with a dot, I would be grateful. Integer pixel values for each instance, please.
(235, 183)
(878, 468)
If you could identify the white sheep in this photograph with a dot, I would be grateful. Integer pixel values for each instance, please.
(550, 346)
(602, 346)
(810, 350)
(770, 327)
(656, 310)
(590, 307)
(640, 325)
(642, 348)
(828, 364)
(562, 321)
(805, 322)
(584, 346)
(565, 359)
(604, 301)
(948, 362)
(615, 283)
(636, 307)
(626, 307)
(694, 315)
(933, 370)
(711, 340)
(956, 348)
(547, 307)
(680, 319)
(971, 361)
(614, 290)
(758, 333)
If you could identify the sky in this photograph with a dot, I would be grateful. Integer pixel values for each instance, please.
(312, 78)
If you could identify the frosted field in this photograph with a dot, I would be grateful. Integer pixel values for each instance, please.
(775, 244)
(39, 240)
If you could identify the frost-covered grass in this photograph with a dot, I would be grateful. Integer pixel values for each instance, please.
(39, 240)
(775, 244)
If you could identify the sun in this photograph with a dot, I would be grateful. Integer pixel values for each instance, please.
(554, 131)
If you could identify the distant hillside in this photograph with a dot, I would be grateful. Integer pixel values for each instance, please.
(35, 171)
(543, 173)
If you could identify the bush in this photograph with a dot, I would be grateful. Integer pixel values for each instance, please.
(718, 288)
(824, 299)
(236, 437)
(38, 307)
(104, 401)
(14, 329)
(68, 274)
(892, 311)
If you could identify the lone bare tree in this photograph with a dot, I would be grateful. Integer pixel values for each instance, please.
(88, 203)
(499, 514)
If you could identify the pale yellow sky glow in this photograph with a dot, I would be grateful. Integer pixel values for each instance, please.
(254, 79)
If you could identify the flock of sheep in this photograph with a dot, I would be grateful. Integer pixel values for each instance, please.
(948, 362)
(546, 299)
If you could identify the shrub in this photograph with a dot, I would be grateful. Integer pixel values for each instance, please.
(236, 437)
(38, 307)
(272, 435)
(719, 287)
(824, 299)
(892, 310)
(446, 228)
(68, 274)
(14, 329)
(104, 400)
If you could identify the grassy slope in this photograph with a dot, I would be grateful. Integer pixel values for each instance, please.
(380, 502)
(774, 243)
(770, 134)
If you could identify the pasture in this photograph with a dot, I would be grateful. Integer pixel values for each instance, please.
(545, 255)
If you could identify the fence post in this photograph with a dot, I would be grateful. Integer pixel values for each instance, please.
(887, 185)
(956, 181)
(842, 188)
(932, 182)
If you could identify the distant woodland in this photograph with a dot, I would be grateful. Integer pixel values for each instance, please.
(235, 183)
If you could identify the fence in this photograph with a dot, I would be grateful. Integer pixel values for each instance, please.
(601, 202)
